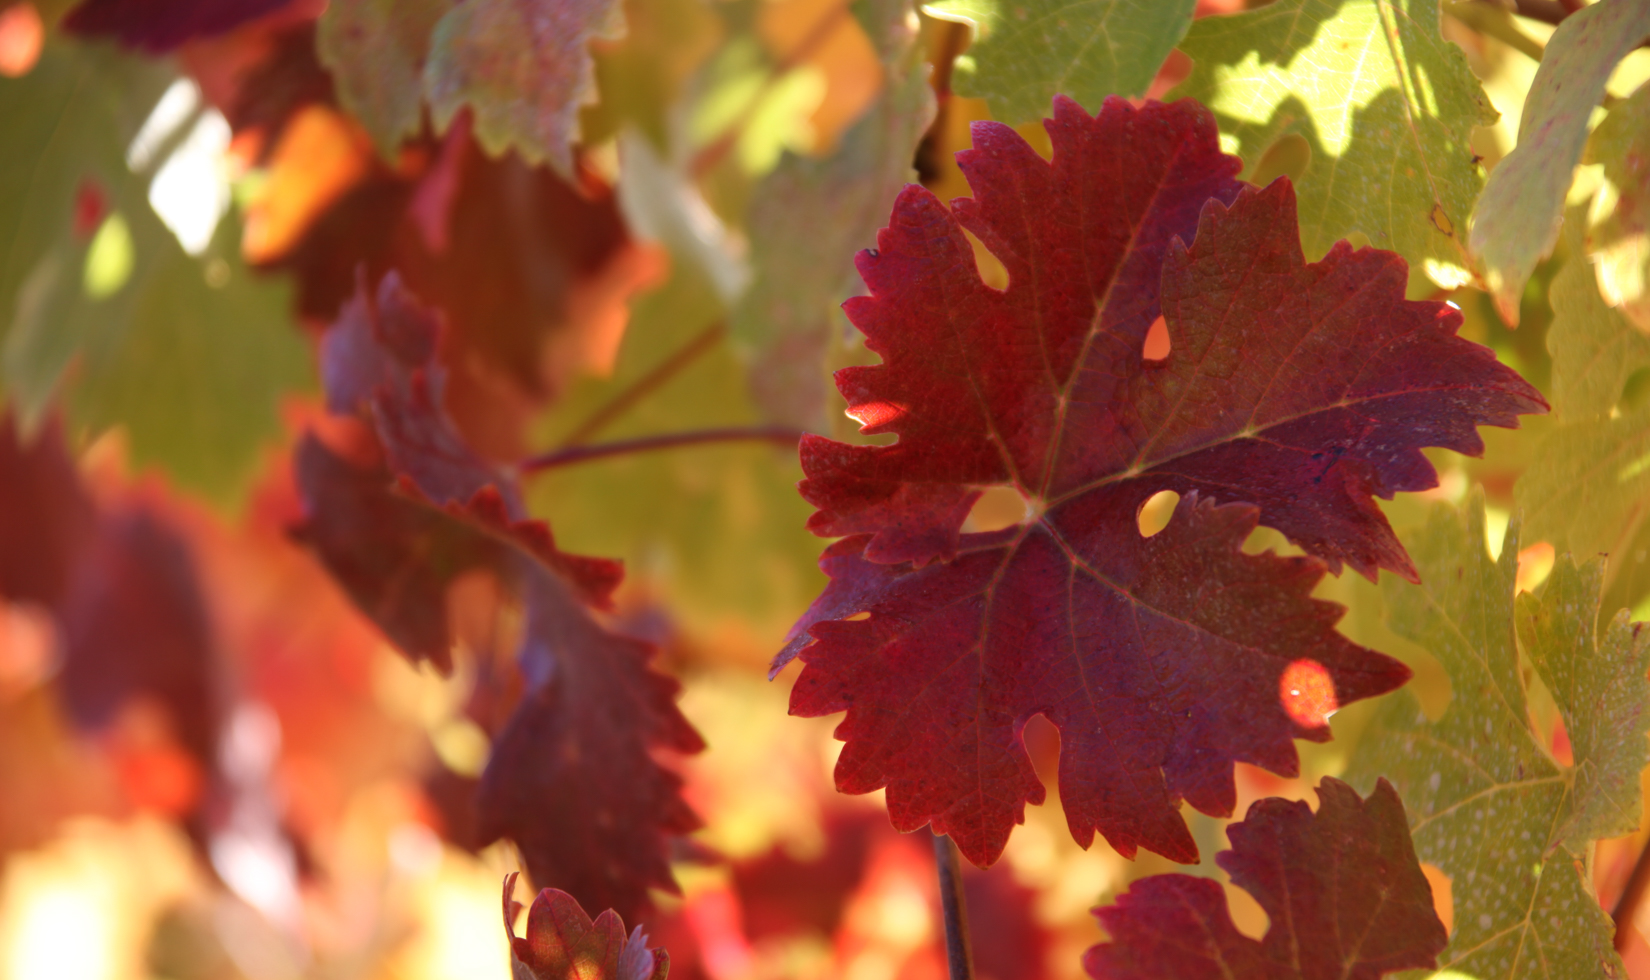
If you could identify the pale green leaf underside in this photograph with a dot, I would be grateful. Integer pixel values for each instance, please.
(523, 69)
(1027, 51)
(1385, 103)
(375, 50)
(1516, 221)
(190, 355)
(1486, 803)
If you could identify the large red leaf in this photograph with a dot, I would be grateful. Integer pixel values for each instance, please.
(1292, 395)
(161, 26)
(572, 778)
(1342, 887)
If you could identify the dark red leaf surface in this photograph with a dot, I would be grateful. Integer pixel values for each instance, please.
(562, 943)
(158, 26)
(1292, 395)
(1342, 888)
(46, 518)
(572, 778)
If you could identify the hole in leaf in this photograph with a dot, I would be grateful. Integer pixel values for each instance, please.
(1307, 693)
(857, 617)
(992, 272)
(1157, 341)
(1564, 752)
(1443, 900)
(997, 508)
(1247, 915)
(1156, 512)
(1288, 157)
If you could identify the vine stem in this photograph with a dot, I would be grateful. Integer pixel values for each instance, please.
(778, 435)
(646, 384)
(959, 952)
(1632, 895)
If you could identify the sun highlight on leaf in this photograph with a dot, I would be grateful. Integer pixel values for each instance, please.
(1291, 396)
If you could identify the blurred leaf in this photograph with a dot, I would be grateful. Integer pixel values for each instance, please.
(1024, 53)
(1515, 223)
(1384, 103)
(809, 217)
(717, 529)
(522, 68)
(188, 354)
(1487, 804)
(161, 25)
(1619, 238)
(1588, 479)
(376, 51)
(640, 77)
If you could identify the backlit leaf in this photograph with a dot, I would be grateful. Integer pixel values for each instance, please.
(1026, 52)
(376, 51)
(561, 943)
(521, 67)
(1515, 223)
(1619, 239)
(1487, 804)
(1385, 105)
(1291, 395)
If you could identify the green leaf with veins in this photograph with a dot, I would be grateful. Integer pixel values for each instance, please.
(808, 219)
(523, 69)
(1516, 221)
(1384, 103)
(189, 354)
(1487, 804)
(375, 50)
(1027, 51)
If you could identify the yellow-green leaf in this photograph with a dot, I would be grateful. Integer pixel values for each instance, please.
(1383, 102)
(1619, 236)
(375, 50)
(1027, 51)
(1487, 804)
(1515, 223)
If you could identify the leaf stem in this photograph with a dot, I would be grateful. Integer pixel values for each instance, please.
(959, 953)
(666, 369)
(1632, 894)
(778, 435)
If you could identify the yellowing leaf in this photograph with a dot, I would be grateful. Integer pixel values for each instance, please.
(376, 50)
(1619, 234)
(522, 68)
(1027, 51)
(1515, 223)
(1384, 103)
(1487, 804)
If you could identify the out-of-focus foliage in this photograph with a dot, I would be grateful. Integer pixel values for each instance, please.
(634, 222)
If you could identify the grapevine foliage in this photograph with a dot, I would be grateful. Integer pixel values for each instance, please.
(1293, 394)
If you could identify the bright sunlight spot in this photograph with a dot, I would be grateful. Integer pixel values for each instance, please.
(191, 190)
(109, 259)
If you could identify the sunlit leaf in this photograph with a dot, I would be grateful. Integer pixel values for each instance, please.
(376, 51)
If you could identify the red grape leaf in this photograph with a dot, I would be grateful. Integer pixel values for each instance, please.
(1342, 887)
(563, 944)
(571, 778)
(1292, 395)
(159, 27)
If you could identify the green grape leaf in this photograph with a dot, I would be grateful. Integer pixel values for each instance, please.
(375, 50)
(1619, 240)
(809, 217)
(1590, 474)
(1516, 221)
(523, 70)
(1487, 804)
(100, 304)
(1383, 102)
(716, 532)
(1027, 51)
